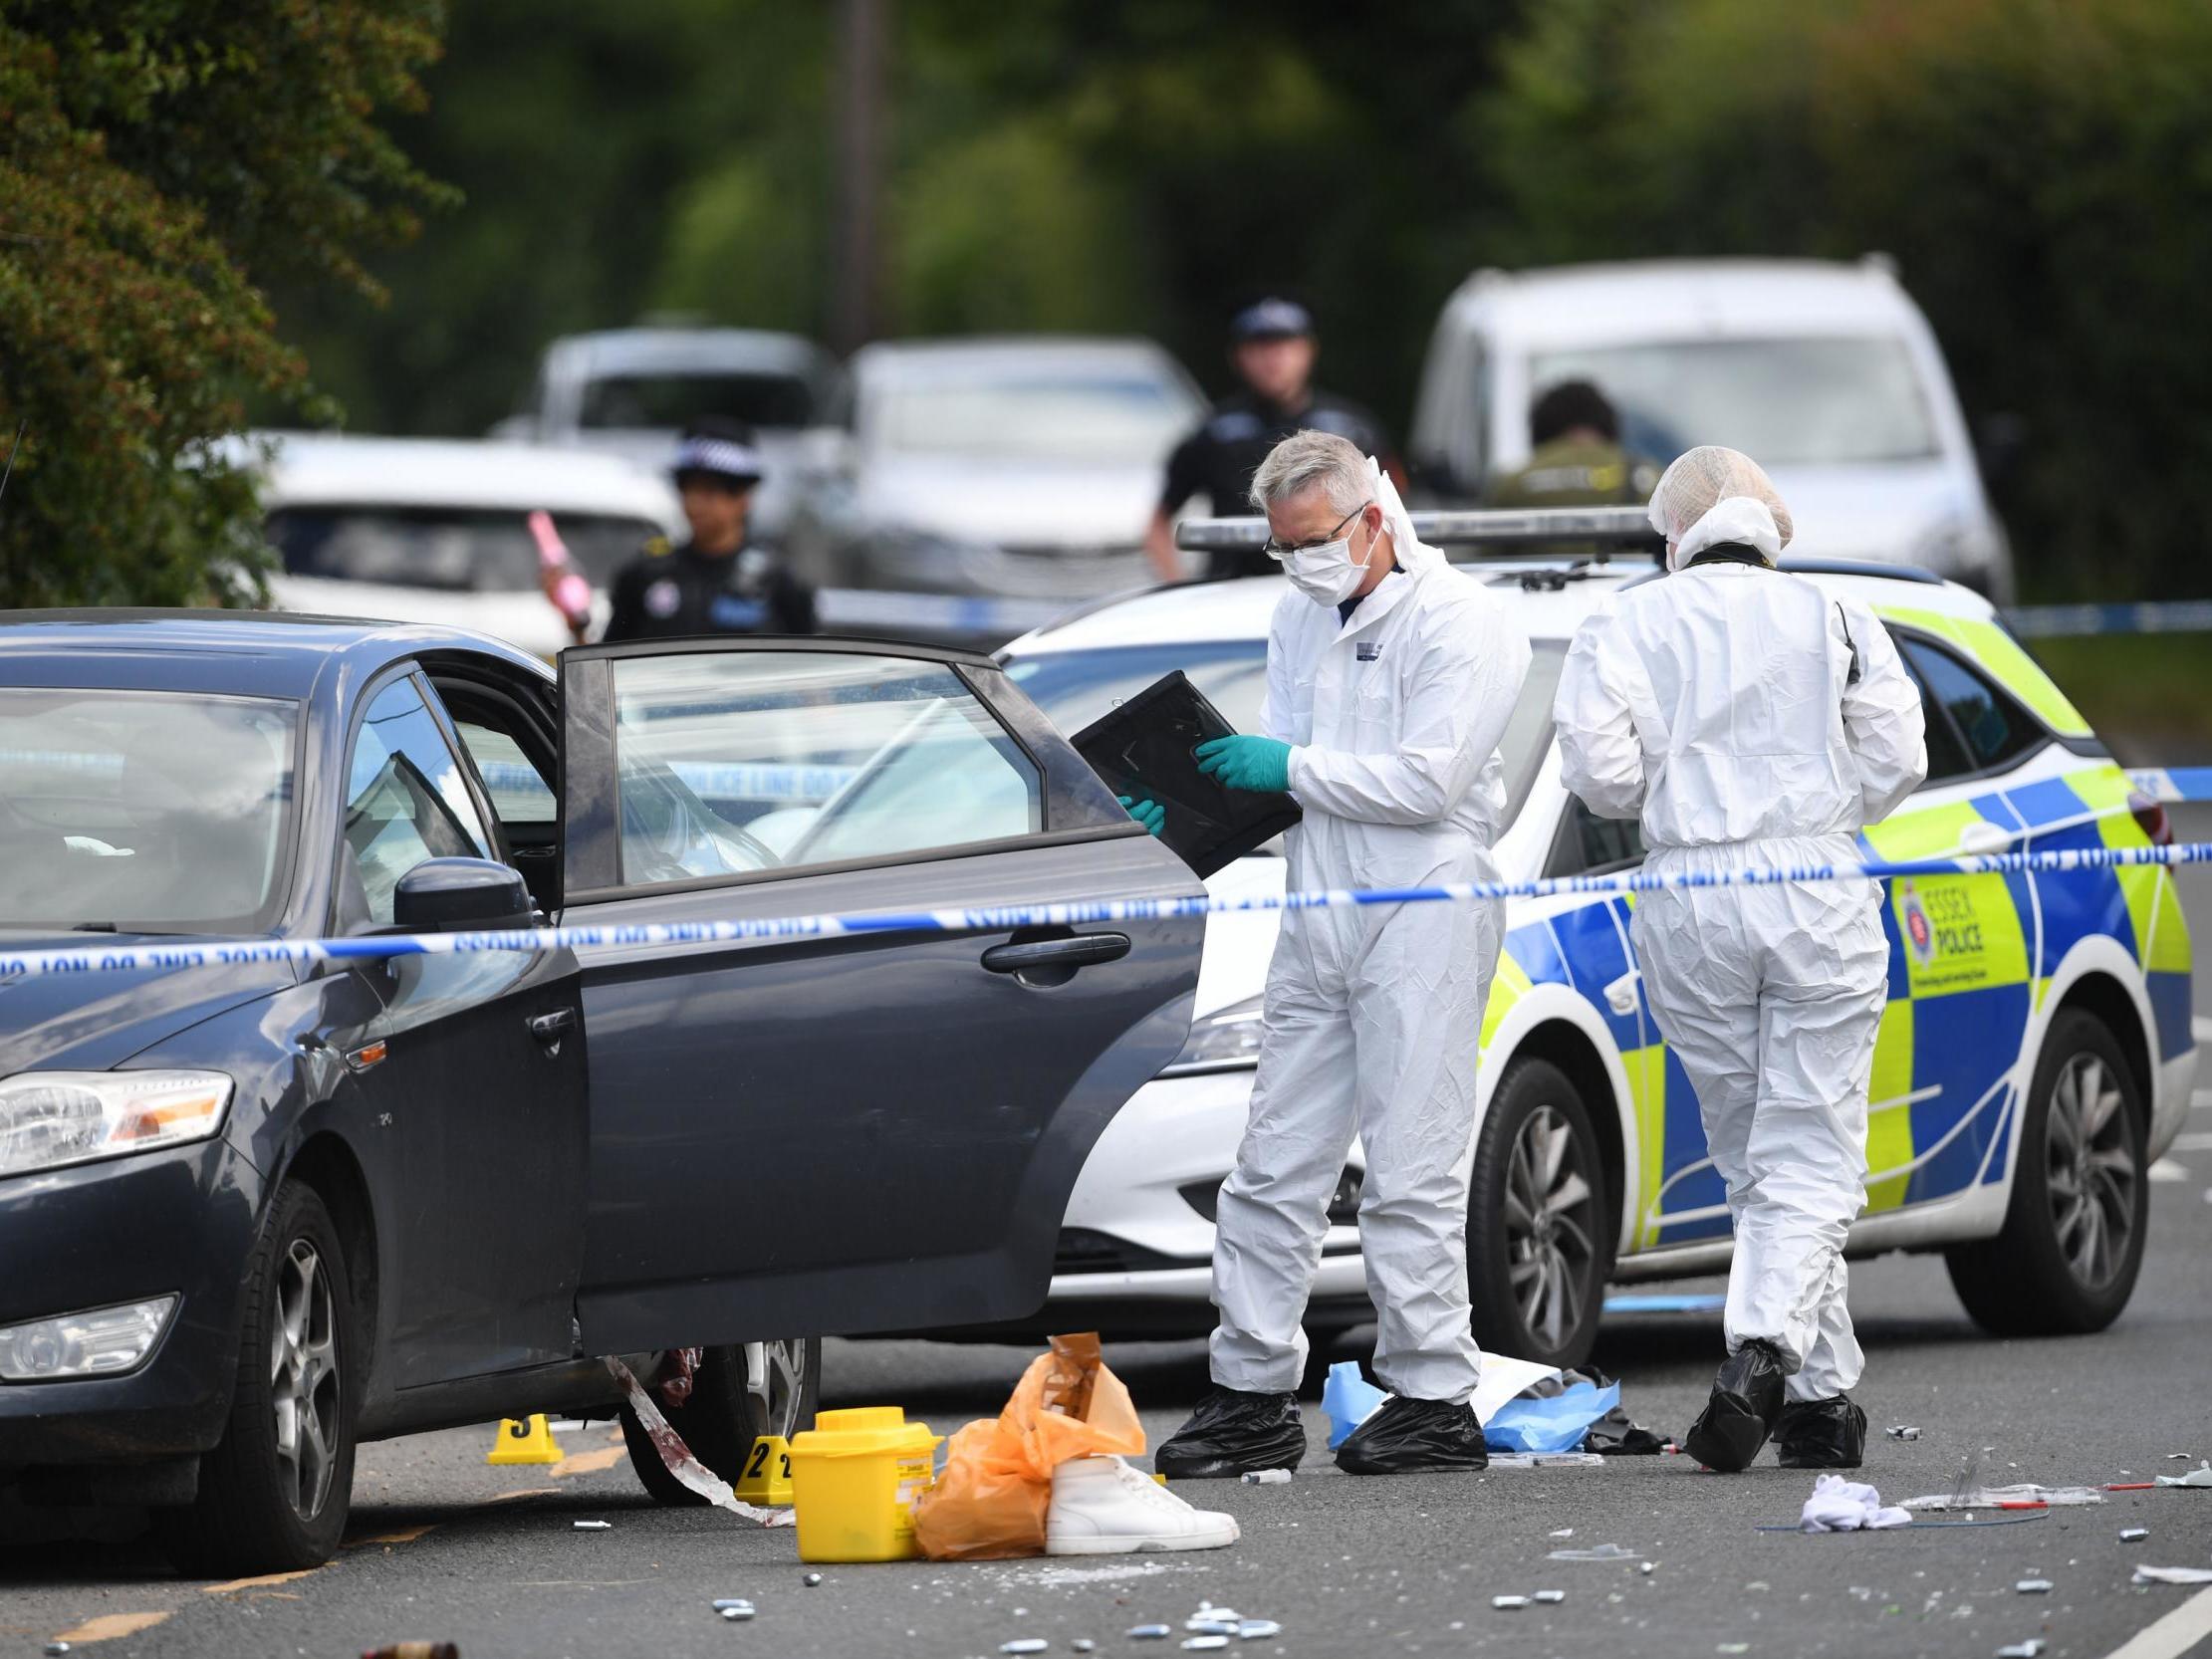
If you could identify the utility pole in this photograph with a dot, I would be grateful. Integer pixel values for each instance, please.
(856, 280)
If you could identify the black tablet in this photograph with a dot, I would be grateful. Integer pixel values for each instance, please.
(1143, 750)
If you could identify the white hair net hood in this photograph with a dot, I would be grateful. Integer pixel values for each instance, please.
(1711, 496)
(1410, 549)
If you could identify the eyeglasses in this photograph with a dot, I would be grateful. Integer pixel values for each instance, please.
(1280, 551)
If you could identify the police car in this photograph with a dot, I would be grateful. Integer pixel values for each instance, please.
(2034, 1059)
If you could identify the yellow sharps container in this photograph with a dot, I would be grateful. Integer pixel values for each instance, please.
(855, 1477)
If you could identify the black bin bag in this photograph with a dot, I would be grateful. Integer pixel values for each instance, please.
(1143, 750)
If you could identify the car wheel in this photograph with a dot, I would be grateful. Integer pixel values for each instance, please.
(1538, 1233)
(735, 1399)
(2073, 1242)
(275, 1493)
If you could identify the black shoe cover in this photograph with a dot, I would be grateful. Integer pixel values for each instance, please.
(1408, 1435)
(1746, 1402)
(1233, 1433)
(1820, 1434)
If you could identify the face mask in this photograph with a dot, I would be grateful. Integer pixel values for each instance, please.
(1326, 574)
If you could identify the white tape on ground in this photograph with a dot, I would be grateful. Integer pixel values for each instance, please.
(172, 954)
(2173, 1635)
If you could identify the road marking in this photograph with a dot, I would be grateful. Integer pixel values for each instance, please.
(589, 1463)
(109, 1626)
(263, 1582)
(2197, 1142)
(2173, 1635)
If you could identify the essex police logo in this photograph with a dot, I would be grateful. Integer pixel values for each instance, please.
(1919, 936)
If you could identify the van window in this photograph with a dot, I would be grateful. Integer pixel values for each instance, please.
(1789, 403)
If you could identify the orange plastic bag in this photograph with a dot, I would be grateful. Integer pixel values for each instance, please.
(990, 1500)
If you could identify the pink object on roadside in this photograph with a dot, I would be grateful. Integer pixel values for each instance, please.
(570, 592)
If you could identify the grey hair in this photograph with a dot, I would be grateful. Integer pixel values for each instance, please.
(1305, 459)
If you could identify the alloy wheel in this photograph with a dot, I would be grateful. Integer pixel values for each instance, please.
(304, 1382)
(775, 1377)
(2091, 1171)
(1551, 1233)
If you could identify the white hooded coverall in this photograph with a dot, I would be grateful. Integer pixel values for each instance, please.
(1371, 1014)
(1719, 706)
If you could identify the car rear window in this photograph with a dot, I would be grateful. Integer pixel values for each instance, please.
(462, 550)
(145, 811)
(651, 402)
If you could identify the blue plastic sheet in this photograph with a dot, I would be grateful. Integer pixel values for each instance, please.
(1349, 1398)
(1558, 1424)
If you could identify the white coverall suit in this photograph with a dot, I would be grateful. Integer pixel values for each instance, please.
(1719, 705)
(1372, 1014)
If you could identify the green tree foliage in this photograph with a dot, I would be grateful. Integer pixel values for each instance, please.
(2040, 169)
(160, 161)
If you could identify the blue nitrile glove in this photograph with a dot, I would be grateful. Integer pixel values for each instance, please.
(1259, 764)
(1151, 813)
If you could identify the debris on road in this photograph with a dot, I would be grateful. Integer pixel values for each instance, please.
(1348, 1399)
(1203, 1644)
(1648, 1567)
(1563, 1532)
(811, 1580)
(1508, 1603)
(1545, 1460)
(1257, 1630)
(737, 1616)
(1083, 1644)
(2032, 1586)
(677, 1458)
(1904, 1431)
(593, 1525)
(2201, 1475)
(2025, 1496)
(2172, 1575)
(2032, 1648)
(56, 1648)
(1552, 1596)
(1267, 1477)
(1841, 1505)
(391, 1650)
(1150, 1633)
(1603, 1553)
(2133, 1534)
(1026, 1644)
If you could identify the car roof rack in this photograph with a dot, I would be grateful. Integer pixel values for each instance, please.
(1496, 532)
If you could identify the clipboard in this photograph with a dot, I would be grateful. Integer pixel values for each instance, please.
(1143, 750)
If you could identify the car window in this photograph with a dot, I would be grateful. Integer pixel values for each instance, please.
(406, 800)
(1588, 843)
(1991, 728)
(1946, 752)
(519, 792)
(649, 402)
(147, 812)
(733, 763)
(1105, 416)
(453, 549)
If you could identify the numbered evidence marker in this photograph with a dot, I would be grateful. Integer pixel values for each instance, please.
(524, 1441)
(767, 1476)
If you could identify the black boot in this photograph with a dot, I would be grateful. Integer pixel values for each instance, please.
(1745, 1403)
(1233, 1433)
(1820, 1434)
(1408, 1435)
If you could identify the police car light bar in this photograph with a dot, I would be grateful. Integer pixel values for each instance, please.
(1502, 529)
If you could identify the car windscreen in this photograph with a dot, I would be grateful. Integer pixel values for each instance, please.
(673, 401)
(457, 549)
(1076, 687)
(1109, 417)
(1789, 402)
(148, 811)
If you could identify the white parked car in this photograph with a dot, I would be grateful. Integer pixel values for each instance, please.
(2035, 1056)
(1021, 467)
(423, 530)
(1828, 373)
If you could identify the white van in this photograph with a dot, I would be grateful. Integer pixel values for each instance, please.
(1826, 375)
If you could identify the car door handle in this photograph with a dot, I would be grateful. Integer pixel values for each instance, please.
(549, 1029)
(1079, 951)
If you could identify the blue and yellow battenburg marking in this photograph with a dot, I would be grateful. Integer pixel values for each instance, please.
(1971, 958)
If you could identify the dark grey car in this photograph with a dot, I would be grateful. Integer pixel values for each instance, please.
(251, 1215)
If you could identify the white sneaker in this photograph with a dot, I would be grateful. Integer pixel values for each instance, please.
(1103, 1507)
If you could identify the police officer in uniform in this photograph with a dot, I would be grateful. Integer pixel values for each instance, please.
(713, 582)
(1271, 345)
(1575, 458)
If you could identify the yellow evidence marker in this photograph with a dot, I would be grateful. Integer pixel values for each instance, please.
(524, 1442)
(767, 1477)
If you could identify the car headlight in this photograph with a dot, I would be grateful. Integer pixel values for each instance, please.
(52, 1118)
(102, 1342)
(1223, 1040)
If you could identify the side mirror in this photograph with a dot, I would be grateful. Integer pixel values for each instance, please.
(453, 895)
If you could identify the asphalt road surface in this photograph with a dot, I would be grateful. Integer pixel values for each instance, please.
(443, 1547)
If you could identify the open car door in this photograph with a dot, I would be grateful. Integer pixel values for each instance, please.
(840, 1134)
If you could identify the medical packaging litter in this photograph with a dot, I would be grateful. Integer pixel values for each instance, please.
(2172, 1575)
(2200, 1476)
(990, 1500)
(2025, 1495)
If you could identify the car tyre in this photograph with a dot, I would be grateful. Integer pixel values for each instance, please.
(2072, 1244)
(1539, 1220)
(275, 1493)
(724, 1416)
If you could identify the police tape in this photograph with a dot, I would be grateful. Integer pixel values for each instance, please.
(2172, 784)
(631, 935)
(2073, 622)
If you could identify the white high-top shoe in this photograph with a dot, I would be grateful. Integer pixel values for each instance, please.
(1103, 1507)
